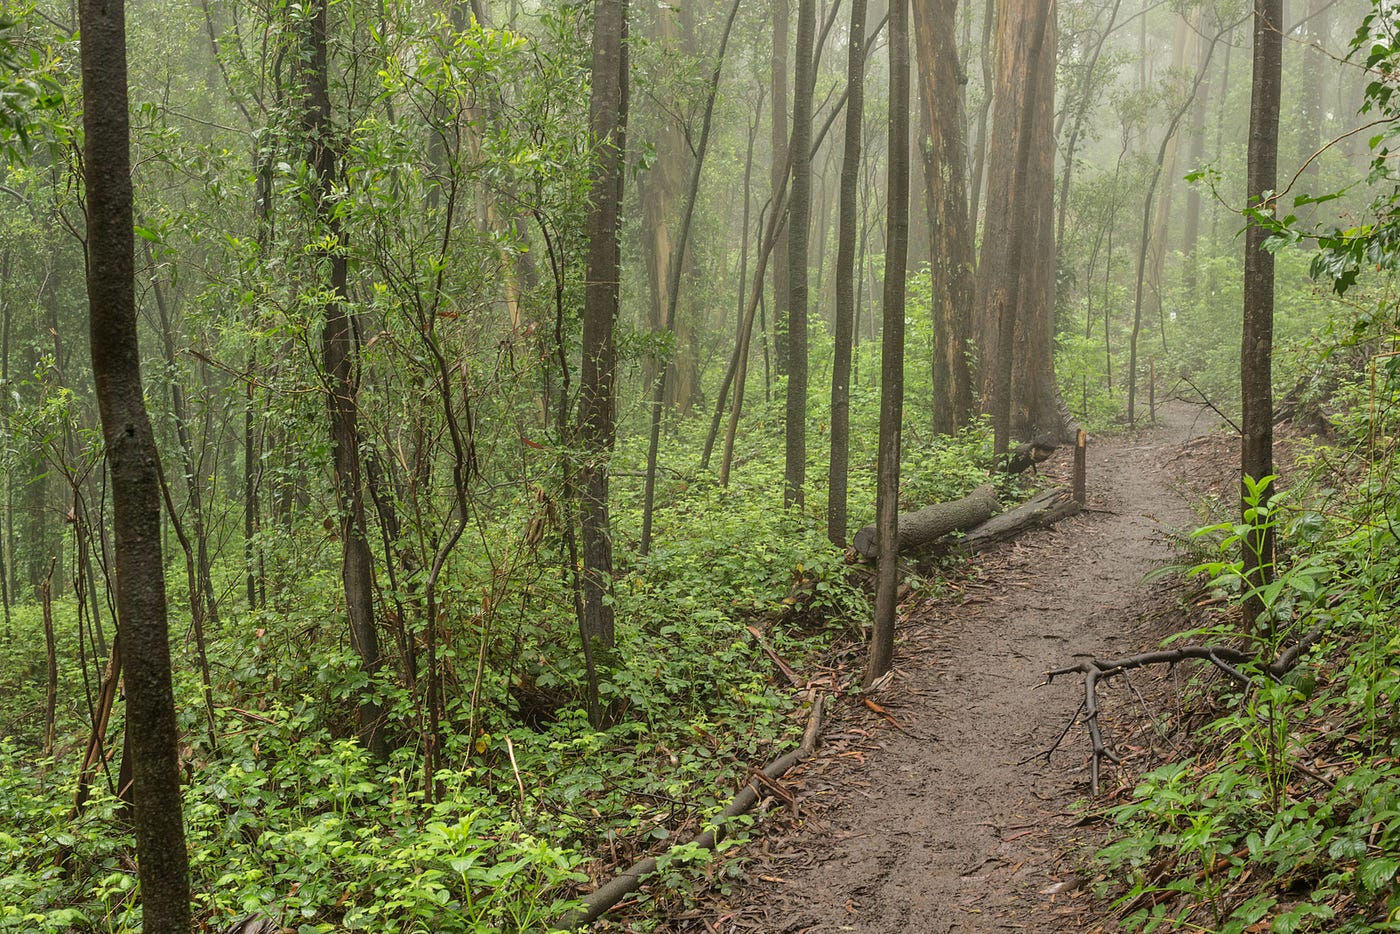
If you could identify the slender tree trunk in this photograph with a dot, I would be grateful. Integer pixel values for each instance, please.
(795, 471)
(597, 429)
(892, 352)
(339, 351)
(1312, 35)
(204, 592)
(1141, 293)
(161, 859)
(1191, 225)
(780, 169)
(1085, 104)
(1256, 354)
(837, 475)
(673, 285)
(984, 109)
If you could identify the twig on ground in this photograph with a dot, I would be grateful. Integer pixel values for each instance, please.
(1225, 658)
(610, 894)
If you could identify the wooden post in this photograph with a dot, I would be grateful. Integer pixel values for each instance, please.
(1081, 444)
(1152, 391)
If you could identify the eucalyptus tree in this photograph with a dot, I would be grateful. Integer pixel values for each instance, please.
(1151, 244)
(799, 214)
(945, 174)
(339, 350)
(1014, 310)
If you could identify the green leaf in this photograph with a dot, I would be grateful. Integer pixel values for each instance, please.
(1377, 873)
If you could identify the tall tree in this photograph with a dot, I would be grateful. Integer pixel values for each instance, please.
(339, 350)
(799, 213)
(945, 172)
(1256, 352)
(1016, 283)
(892, 351)
(779, 171)
(597, 428)
(673, 284)
(153, 739)
(844, 321)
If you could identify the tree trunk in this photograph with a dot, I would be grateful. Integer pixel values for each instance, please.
(597, 429)
(795, 471)
(945, 161)
(1191, 226)
(1312, 35)
(984, 109)
(1038, 512)
(1083, 106)
(338, 359)
(1256, 353)
(1142, 294)
(1015, 304)
(892, 352)
(673, 284)
(779, 171)
(924, 526)
(161, 858)
(844, 323)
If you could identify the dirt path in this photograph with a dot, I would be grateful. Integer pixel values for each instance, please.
(951, 822)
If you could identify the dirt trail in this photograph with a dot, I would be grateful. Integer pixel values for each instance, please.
(951, 822)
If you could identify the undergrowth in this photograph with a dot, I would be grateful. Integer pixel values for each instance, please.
(289, 820)
(1287, 816)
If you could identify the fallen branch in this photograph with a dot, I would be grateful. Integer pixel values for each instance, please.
(925, 525)
(1038, 512)
(1229, 660)
(608, 895)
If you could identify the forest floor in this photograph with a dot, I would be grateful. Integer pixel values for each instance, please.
(944, 813)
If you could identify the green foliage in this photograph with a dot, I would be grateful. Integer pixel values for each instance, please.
(1289, 815)
(30, 89)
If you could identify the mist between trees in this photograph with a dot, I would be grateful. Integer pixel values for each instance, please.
(519, 371)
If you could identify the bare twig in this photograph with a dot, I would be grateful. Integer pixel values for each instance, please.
(1224, 658)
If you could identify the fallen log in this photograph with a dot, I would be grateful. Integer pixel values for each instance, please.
(923, 526)
(1038, 512)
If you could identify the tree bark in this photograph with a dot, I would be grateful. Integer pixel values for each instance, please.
(338, 359)
(780, 170)
(1256, 353)
(1039, 512)
(892, 352)
(924, 526)
(1015, 304)
(673, 284)
(799, 211)
(597, 429)
(162, 862)
(945, 162)
(844, 323)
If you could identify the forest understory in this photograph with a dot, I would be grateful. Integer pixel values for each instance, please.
(950, 802)
(957, 797)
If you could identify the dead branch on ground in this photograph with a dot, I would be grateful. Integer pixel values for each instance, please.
(608, 895)
(1226, 659)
